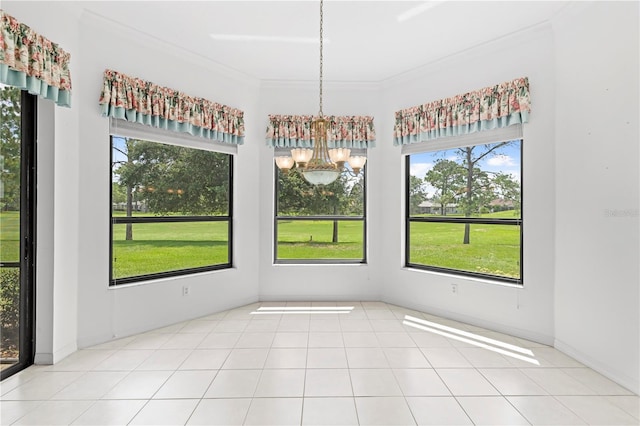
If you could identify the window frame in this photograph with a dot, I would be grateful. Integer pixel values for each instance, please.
(114, 282)
(338, 218)
(463, 220)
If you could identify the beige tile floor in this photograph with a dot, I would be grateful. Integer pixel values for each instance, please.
(367, 363)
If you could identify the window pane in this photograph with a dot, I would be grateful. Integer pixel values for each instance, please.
(162, 247)
(492, 249)
(320, 239)
(10, 160)
(297, 197)
(468, 182)
(150, 178)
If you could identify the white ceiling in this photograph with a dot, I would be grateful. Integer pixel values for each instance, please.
(366, 41)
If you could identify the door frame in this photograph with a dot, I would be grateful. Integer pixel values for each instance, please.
(28, 176)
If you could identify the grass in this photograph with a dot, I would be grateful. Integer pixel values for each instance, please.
(9, 236)
(312, 240)
(493, 249)
(160, 247)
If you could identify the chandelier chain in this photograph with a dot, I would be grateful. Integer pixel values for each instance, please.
(321, 63)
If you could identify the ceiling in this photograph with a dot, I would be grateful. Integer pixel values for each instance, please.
(366, 42)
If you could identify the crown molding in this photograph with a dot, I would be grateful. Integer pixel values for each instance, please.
(150, 41)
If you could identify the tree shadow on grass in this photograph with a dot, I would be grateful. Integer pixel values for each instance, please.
(169, 243)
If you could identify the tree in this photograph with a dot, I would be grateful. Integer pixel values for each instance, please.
(476, 181)
(169, 179)
(297, 197)
(10, 152)
(417, 194)
(447, 178)
(507, 189)
(127, 183)
(118, 193)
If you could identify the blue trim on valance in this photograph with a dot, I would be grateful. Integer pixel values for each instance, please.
(134, 116)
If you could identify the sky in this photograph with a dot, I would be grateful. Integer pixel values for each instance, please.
(506, 160)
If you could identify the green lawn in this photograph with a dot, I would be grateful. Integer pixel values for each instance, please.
(492, 249)
(160, 247)
(312, 240)
(9, 236)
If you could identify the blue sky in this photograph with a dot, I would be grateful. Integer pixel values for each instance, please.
(506, 160)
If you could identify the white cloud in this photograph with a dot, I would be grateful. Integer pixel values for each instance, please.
(501, 160)
(420, 169)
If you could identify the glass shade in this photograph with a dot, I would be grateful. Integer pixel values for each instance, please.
(357, 163)
(339, 156)
(284, 163)
(301, 156)
(320, 177)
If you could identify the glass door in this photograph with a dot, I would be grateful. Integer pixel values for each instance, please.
(17, 229)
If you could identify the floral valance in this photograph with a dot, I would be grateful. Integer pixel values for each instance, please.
(294, 131)
(143, 102)
(489, 108)
(33, 63)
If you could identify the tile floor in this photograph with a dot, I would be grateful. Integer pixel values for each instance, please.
(367, 363)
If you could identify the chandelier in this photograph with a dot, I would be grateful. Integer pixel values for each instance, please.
(320, 165)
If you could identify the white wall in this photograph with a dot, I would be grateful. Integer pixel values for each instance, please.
(75, 306)
(57, 185)
(103, 312)
(597, 185)
(527, 311)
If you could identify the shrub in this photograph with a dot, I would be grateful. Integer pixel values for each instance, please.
(9, 307)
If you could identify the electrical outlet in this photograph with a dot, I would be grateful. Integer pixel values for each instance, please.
(185, 290)
(454, 289)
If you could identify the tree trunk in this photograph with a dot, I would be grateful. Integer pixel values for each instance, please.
(467, 210)
(129, 232)
(334, 238)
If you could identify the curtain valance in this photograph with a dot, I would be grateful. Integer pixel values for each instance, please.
(31, 62)
(143, 102)
(488, 108)
(294, 131)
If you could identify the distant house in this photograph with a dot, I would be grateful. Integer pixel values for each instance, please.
(498, 205)
(137, 206)
(429, 207)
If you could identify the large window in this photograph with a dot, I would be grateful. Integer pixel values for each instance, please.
(464, 211)
(320, 224)
(171, 210)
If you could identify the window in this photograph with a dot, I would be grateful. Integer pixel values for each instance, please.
(464, 213)
(320, 224)
(171, 210)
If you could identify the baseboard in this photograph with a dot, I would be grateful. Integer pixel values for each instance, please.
(43, 359)
(499, 327)
(317, 298)
(89, 341)
(64, 352)
(617, 376)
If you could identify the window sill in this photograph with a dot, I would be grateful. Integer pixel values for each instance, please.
(167, 279)
(464, 277)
